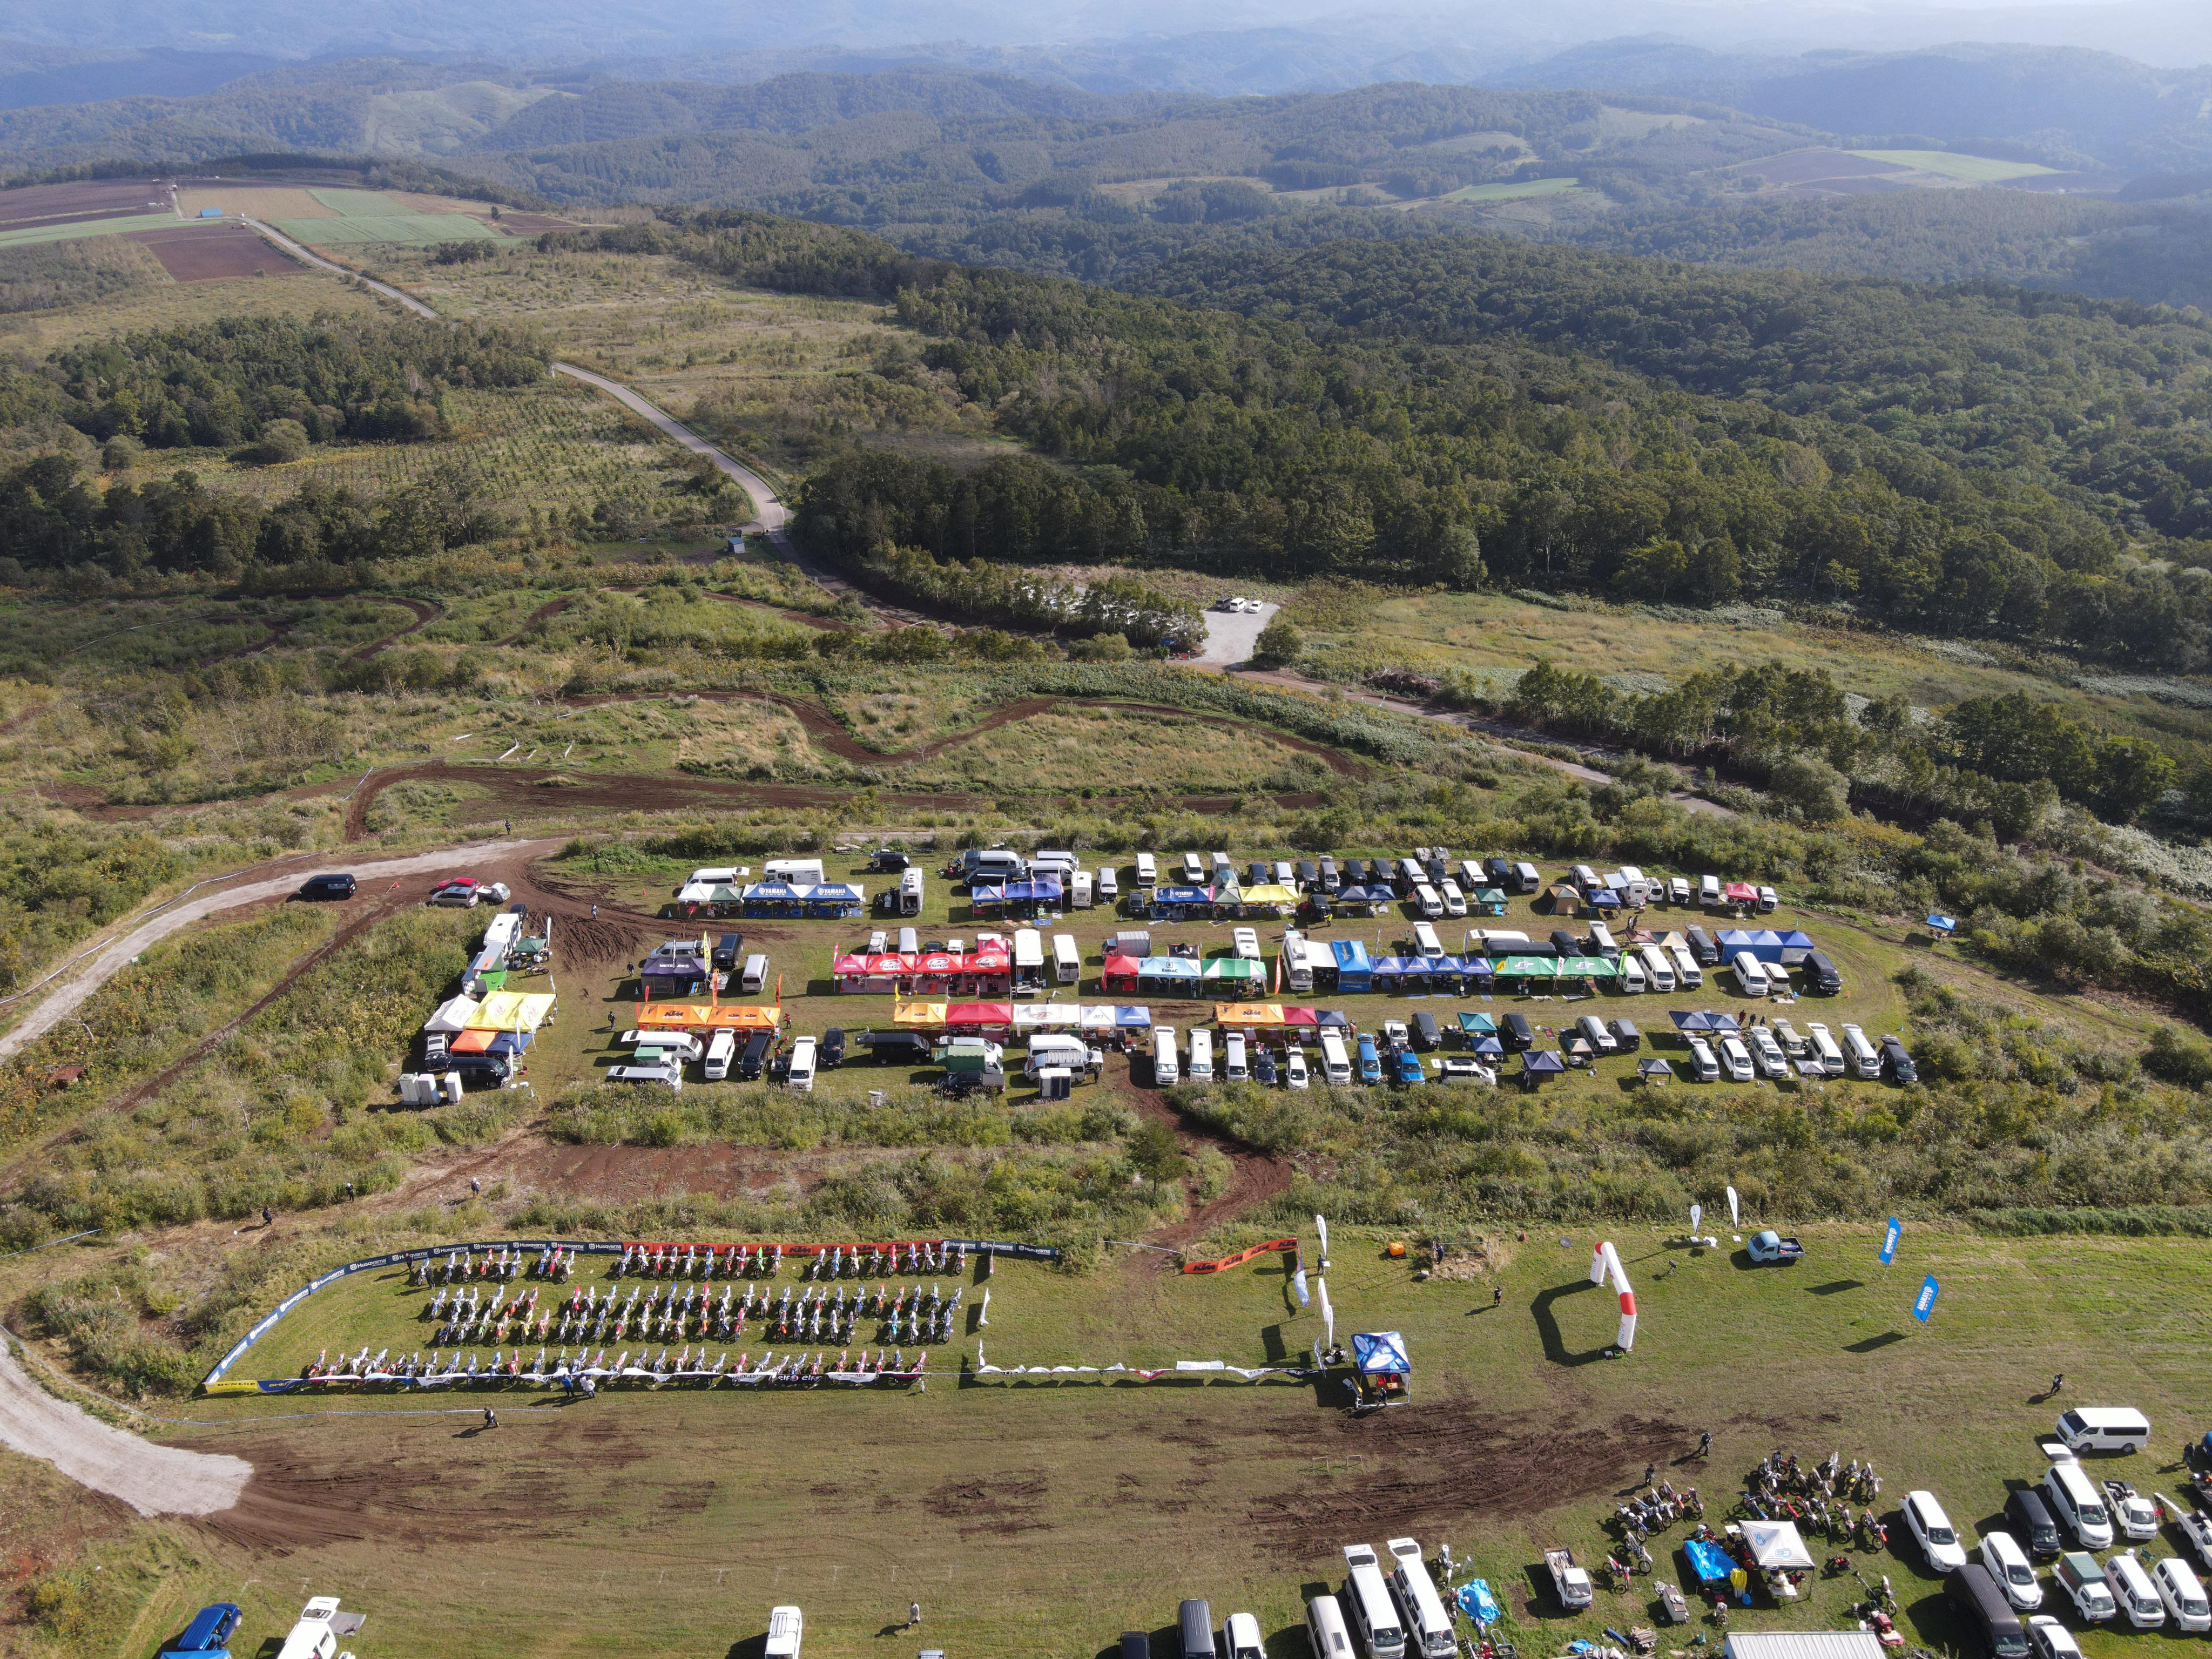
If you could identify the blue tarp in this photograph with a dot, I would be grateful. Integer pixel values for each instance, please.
(1710, 1563)
(1942, 924)
(1476, 1602)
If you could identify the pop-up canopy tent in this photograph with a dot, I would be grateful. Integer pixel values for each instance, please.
(920, 1016)
(1248, 1013)
(452, 1016)
(706, 1017)
(513, 1010)
(1542, 1062)
(1267, 894)
(1687, 1020)
(1654, 1070)
(1380, 1360)
(1776, 1546)
(1477, 1024)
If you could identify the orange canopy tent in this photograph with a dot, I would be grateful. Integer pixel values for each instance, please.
(706, 1017)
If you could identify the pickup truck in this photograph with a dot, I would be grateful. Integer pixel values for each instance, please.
(2196, 1526)
(1571, 1583)
(1770, 1246)
(2136, 1515)
(2078, 1574)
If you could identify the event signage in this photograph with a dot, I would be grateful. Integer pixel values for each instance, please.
(1889, 1243)
(1925, 1303)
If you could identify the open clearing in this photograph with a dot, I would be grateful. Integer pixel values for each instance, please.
(1045, 1518)
(1949, 164)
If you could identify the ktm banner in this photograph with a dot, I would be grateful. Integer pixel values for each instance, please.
(1240, 1257)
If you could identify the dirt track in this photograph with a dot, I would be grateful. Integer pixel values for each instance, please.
(152, 1479)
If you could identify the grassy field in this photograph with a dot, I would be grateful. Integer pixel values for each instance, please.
(31, 233)
(171, 304)
(1032, 1519)
(1949, 164)
(1515, 190)
(1496, 636)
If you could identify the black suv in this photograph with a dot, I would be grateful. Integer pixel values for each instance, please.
(328, 887)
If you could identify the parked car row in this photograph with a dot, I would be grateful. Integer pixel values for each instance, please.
(1994, 1585)
(1389, 1605)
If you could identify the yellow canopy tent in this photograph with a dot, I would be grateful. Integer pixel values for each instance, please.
(920, 1016)
(513, 1010)
(1269, 893)
(1248, 1013)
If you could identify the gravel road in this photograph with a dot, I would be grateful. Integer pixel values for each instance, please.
(152, 1479)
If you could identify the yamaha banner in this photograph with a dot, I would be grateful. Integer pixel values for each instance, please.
(1889, 1243)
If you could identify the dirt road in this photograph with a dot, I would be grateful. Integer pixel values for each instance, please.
(89, 973)
(277, 240)
(152, 1479)
(773, 515)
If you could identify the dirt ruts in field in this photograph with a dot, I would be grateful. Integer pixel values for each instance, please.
(425, 611)
(1436, 1464)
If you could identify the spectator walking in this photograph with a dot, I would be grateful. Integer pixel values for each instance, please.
(1705, 1443)
(268, 1219)
(913, 1614)
(491, 1418)
(2057, 1381)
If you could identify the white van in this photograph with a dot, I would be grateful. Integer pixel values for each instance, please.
(1709, 891)
(1704, 1068)
(1326, 1635)
(1601, 941)
(1202, 1056)
(719, 1053)
(1298, 970)
(2080, 1507)
(1750, 974)
(1245, 942)
(313, 1638)
(1336, 1058)
(1601, 1040)
(1194, 869)
(1109, 886)
(2132, 1587)
(1367, 1603)
(1454, 897)
(1656, 968)
(1079, 890)
(1432, 905)
(1825, 1050)
(799, 1074)
(1430, 1631)
(1687, 974)
(1066, 959)
(1028, 963)
(1047, 861)
(785, 1628)
(1234, 1066)
(752, 978)
(1148, 870)
(2103, 1428)
(1165, 1074)
(1425, 941)
(1865, 1058)
(1633, 980)
(1057, 1048)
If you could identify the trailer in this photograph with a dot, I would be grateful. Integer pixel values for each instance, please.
(1570, 1582)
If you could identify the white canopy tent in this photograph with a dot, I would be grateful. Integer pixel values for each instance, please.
(1777, 1545)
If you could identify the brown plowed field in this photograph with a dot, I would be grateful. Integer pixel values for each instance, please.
(87, 199)
(199, 253)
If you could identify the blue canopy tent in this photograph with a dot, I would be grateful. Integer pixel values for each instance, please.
(1702, 1019)
(1476, 1024)
(1170, 976)
(1796, 945)
(1763, 943)
(836, 899)
(1381, 1362)
(1539, 1063)
(1390, 972)
(1335, 1017)
(773, 898)
(1486, 1046)
(1354, 973)
(1942, 926)
(1169, 903)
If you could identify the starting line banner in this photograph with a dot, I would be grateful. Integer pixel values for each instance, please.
(1181, 1370)
(213, 1382)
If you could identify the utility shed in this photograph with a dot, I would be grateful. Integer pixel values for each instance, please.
(1801, 1645)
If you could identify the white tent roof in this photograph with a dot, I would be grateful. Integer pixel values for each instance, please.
(452, 1016)
(1776, 1544)
(1802, 1645)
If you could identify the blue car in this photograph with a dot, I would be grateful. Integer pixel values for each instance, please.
(1370, 1062)
(206, 1637)
(1409, 1067)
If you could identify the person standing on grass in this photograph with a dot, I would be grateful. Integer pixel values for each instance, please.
(491, 1418)
(268, 1219)
(913, 1614)
(2057, 1381)
(1705, 1443)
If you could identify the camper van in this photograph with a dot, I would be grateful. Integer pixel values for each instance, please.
(1602, 943)
(1081, 890)
(799, 1071)
(1429, 1625)
(1825, 1050)
(1059, 1048)
(909, 892)
(1235, 1068)
(719, 1053)
(1527, 879)
(1066, 959)
(1865, 1058)
(1750, 974)
(1656, 968)
(2080, 1507)
(1049, 861)
(1327, 1636)
(1367, 1603)
(1709, 893)
(1336, 1058)
(1297, 969)
(1028, 963)
(994, 865)
(796, 872)
(1202, 1056)
(1165, 1072)
(1194, 1629)
(1596, 1034)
